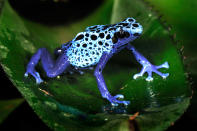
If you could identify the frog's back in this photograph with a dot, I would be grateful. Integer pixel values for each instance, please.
(87, 47)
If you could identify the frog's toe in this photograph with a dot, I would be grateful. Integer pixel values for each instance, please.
(26, 74)
(126, 102)
(119, 96)
(36, 75)
(165, 75)
(149, 78)
(115, 102)
(120, 102)
(137, 75)
(164, 65)
(38, 79)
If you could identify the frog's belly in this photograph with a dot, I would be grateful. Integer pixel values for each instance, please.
(83, 58)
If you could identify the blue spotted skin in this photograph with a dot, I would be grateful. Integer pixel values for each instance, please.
(95, 46)
(88, 46)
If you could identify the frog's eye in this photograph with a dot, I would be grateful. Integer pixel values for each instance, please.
(122, 34)
(127, 34)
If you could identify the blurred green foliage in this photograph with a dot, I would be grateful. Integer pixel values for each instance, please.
(7, 106)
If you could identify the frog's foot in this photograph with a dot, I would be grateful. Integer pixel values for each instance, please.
(36, 75)
(113, 100)
(149, 68)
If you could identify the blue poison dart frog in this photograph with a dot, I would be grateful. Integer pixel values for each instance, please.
(95, 46)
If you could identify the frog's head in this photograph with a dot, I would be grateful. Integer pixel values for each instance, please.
(134, 28)
(126, 31)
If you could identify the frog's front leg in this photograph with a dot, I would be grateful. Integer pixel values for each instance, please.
(52, 68)
(147, 66)
(101, 83)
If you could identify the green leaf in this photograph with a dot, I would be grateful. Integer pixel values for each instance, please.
(183, 23)
(7, 106)
(74, 101)
(156, 44)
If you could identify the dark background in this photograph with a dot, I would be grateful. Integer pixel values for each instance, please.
(50, 12)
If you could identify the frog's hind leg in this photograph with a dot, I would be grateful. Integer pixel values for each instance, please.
(51, 67)
(147, 66)
(101, 83)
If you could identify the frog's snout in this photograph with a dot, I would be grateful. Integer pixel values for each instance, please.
(137, 28)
